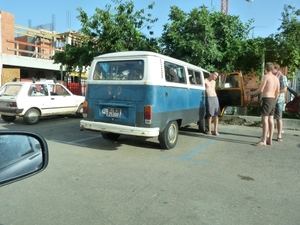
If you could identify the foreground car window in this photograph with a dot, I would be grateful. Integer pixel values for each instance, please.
(12, 150)
(22, 154)
(10, 90)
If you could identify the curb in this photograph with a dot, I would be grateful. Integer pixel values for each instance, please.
(291, 124)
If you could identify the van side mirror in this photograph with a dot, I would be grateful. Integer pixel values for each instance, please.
(22, 154)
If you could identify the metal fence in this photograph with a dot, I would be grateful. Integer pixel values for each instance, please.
(76, 87)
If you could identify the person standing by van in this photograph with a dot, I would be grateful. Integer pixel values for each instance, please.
(269, 88)
(212, 103)
(281, 100)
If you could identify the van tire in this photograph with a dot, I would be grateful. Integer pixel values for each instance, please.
(202, 125)
(110, 136)
(8, 119)
(169, 136)
(32, 116)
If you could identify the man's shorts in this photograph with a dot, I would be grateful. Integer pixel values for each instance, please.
(268, 106)
(212, 106)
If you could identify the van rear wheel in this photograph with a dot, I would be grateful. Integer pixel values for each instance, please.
(110, 136)
(169, 136)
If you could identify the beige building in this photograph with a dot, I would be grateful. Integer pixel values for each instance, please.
(27, 52)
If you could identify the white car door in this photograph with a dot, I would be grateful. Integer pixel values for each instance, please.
(62, 100)
(37, 97)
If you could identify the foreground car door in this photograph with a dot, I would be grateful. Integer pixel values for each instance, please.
(62, 100)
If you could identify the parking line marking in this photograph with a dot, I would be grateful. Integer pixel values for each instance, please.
(201, 147)
(85, 139)
(187, 157)
(76, 142)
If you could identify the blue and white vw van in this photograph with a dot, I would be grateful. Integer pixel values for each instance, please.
(143, 93)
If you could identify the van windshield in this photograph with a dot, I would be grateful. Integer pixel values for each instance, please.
(119, 70)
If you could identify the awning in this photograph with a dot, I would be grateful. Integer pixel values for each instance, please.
(76, 74)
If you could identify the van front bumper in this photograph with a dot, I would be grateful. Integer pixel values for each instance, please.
(119, 129)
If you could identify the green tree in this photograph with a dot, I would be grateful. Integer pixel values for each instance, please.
(75, 58)
(111, 29)
(207, 38)
(288, 39)
(119, 28)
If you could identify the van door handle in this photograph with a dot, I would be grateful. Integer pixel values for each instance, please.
(52, 98)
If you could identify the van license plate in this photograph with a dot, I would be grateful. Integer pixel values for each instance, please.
(114, 112)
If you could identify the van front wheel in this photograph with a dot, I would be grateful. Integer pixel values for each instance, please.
(202, 125)
(169, 136)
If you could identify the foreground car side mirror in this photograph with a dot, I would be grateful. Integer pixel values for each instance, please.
(22, 154)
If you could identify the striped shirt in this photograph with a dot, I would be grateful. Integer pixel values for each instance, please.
(283, 83)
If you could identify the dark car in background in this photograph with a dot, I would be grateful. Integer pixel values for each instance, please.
(293, 106)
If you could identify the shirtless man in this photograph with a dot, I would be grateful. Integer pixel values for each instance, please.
(212, 102)
(269, 88)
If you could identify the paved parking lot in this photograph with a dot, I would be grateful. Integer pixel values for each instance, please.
(203, 180)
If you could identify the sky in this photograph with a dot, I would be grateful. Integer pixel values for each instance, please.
(63, 13)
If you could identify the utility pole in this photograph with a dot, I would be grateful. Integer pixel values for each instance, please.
(224, 5)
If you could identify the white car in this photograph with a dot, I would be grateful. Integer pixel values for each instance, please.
(32, 100)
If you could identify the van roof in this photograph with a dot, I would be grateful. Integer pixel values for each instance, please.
(142, 53)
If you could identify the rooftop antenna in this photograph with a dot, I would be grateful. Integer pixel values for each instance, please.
(254, 28)
(53, 23)
(68, 19)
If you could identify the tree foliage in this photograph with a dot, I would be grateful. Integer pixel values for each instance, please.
(74, 57)
(111, 29)
(119, 28)
(206, 38)
(203, 37)
(288, 39)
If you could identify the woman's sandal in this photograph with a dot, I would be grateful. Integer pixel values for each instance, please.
(208, 133)
(279, 139)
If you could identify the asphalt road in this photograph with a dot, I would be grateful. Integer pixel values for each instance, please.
(203, 180)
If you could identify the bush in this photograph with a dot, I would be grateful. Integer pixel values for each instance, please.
(290, 115)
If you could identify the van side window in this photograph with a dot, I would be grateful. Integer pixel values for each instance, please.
(205, 74)
(191, 76)
(198, 78)
(194, 77)
(174, 73)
